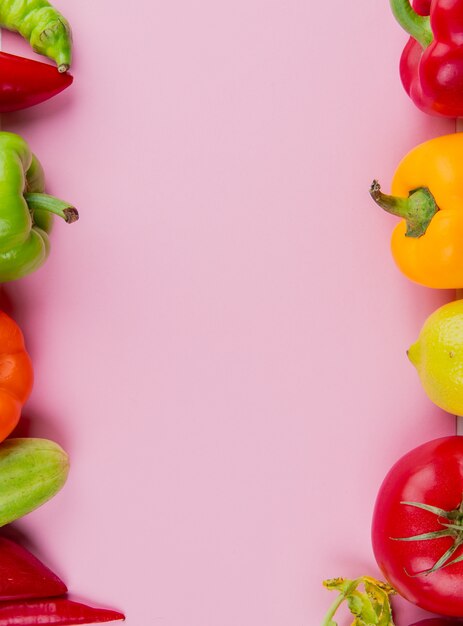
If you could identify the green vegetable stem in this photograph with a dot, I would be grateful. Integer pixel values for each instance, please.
(370, 607)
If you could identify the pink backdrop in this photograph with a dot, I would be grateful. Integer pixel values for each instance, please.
(220, 342)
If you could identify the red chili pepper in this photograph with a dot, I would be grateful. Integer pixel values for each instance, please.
(439, 621)
(58, 611)
(24, 82)
(22, 575)
(431, 66)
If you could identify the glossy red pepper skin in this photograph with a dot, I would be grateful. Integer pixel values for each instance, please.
(439, 621)
(22, 575)
(423, 7)
(433, 76)
(25, 83)
(57, 611)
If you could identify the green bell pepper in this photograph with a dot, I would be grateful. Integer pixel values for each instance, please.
(26, 212)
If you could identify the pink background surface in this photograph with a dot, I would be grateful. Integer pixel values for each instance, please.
(220, 341)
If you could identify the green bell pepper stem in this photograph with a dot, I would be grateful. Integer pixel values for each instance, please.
(45, 202)
(26, 212)
(417, 26)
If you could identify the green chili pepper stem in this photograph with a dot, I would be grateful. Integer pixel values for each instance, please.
(417, 210)
(44, 202)
(418, 26)
(63, 59)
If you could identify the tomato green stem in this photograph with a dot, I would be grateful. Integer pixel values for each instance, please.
(446, 532)
(417, 210)
(418, 26)
(444, 559)
(454, 530)
(432, 509)
(44, 202)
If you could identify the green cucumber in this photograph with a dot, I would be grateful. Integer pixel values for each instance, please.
(31, 472)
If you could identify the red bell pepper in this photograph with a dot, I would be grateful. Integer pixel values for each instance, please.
(431, 66)
(24, 82)
(423, 7)
(58, 611)
(22, 575)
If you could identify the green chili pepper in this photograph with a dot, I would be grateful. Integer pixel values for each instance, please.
(44, 28)
(26, 213)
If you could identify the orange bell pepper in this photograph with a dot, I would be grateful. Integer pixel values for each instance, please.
(16, 374)
(427, 192)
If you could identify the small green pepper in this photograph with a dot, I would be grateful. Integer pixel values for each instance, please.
(26, 213)
(42, 25)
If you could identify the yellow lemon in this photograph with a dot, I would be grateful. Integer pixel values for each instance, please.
(438, 357)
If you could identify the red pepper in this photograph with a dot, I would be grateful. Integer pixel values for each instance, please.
(24, 82)
(22, 575)
(423, 7)
(58, 611)
(439, 621)
(431, 66)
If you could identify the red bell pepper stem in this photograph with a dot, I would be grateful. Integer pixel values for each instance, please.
(57, 611)
(418, 26)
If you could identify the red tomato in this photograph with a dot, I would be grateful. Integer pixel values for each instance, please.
(432, 475)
